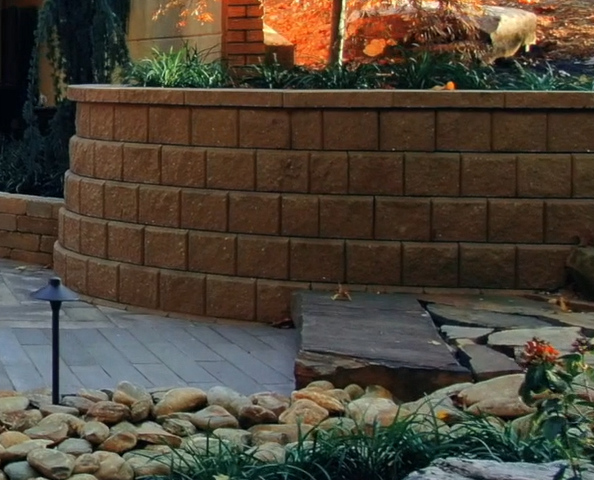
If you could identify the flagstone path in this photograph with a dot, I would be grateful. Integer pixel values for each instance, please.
(101, 346)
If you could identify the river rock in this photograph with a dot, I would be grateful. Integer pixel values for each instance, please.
(377, 391)
(56, 432)
(503, 407)
(442, 408)
(8, 439)
(93, 395)
(202, 445)
(122, 427)
(141, 409)
(146, 463)
(75, 446)
(507, 386)
(227, 398)
(80, 403)
(53, 464)
(338, 426)
(21, 450)
(268, 452)
(49, 409)
(109, 412)
(13, 404)
(250, 415)
(128, 393)
(368, 411)
(321, 385)
(274, 402)
(180, 400)
(214, 417)
(112, 467)
(20, 421)
(75, 424)
(83, 476)
(151, 432)
(322, 399)
(304, 411)
(180, 428)
(86, 464)
(234, 436)
(339, 394)
(95, 432)
(119, 442)
(20, 471)
(281, 434)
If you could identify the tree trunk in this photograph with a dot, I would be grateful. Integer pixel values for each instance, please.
(337, 31)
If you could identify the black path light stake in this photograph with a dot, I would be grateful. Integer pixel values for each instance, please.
(55, 293)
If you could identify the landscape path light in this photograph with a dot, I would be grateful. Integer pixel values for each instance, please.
(55, 293)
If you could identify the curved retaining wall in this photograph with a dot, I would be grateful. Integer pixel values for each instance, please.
(223, 202)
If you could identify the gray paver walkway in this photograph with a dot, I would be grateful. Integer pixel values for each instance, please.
(101, 346)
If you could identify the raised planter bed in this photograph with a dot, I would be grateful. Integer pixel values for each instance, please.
(223, 202)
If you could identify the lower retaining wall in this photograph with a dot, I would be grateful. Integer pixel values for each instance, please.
(28, 227)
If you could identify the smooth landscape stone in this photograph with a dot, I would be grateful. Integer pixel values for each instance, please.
(75, 446)
(338, 426)
(153, 433)
(377, 391)
(181, 428)
(93, 395)
(467, 317)
(21, 421)
(321, 384)
(227, 398)
(251, 415)
(368, 412)
(354, 391)
(8, 439)
(339, 394)
(146, 463)
(109, 412)
(180, 400)
(484, 362)
(274, 402)
(561, 338)
(13, 404)
(86, 464)
(502, 407)
(455, 332)
(281, 434)
(52, 464)
(119, 442)
(21, 450)
(95, 432)
(75, 424)
(304, 411)
(340, 343)
(464, 469)
(213, 417)
(268, 452)
(112, 467)
(20, 471)
(241, 439)
(128, 393)
(202, 445)
(507, 386)
(80, 403)
(56, 432)
(320, 398)
(49, 409)
(438, 407)
(141, 409)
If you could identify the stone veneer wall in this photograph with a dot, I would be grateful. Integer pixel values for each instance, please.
(28, 227)
(223, 202)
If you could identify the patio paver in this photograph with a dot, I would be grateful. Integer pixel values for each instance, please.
(101, 346)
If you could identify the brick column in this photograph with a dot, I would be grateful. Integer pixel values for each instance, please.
(244, 38)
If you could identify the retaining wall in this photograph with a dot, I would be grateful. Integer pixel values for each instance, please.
(223, 202)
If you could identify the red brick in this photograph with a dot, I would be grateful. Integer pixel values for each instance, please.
(8, 222)
(166, 248)
(463, 131)
(233, 298)
(142, 163)
(13, 204)
(47, 243)
(566, 220)
(83, 119)
(76, 273)
(306, 130)
(274, 299)
(544, 176)
(264, 128)
(255, 11)
(236, 11)
(346, 216)
(478, 179)
(204, 210)
(103, 279)
(432, 174)
(41, 207)
(93, 237)
(583, 176)
(254, 213)
(131, 123)
(244, 24)
(402, 218)
(215, 127)
(542, 267)
(139, 286)
(282, 171)
(263, 257)
(70, 234)
(376, 173)
(159, 206)
(570, 131)
(37, 258)
(255, 35)
(407, 130)
(246, 48)
(487, 266)
(329, 172)
(45, 226)
(59, 263)
(212, 253)
(516, 221)
(182, 292)
(374, 262)
(23, 241)
(351, 130)
(519, 131)
(430, 264)
(91, 197)
(231, 169)
(101, 121)
(317, 260)
(236, 36)
(183, 166)
(459, 220)
(72, 191)
(169, 125)
(300, 215)
(125, 242)
(82, 153)
(121, 202)
(109, 158)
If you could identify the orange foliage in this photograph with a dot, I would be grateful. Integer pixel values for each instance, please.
(188, 9)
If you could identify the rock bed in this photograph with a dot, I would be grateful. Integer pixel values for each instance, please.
(132, 432)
